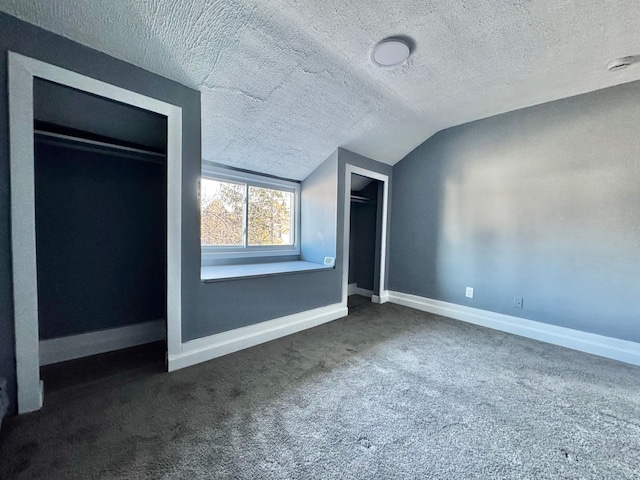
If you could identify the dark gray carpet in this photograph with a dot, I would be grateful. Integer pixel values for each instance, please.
(388, 392)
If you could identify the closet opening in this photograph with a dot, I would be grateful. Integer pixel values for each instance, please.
(365, 239)
(101, 236)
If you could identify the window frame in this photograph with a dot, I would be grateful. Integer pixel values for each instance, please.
(212, 252)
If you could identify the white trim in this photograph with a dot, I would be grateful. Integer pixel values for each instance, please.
(364, 292)
(214, 346)
(347, 221)
(614, 348)
(211, 254)
(92, 343)
(382, 298)
(22, 71)
(354, 289)
(226, 272)
(213, 171)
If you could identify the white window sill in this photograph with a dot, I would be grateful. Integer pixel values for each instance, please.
(211, 255)
(220, 273)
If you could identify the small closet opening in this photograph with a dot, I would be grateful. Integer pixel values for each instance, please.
(101, 230)
(364, 236)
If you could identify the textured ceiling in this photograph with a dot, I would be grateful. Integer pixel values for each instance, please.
(285, 82)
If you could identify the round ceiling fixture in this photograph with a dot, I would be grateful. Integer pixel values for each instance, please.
(390, 52)
(620, 63)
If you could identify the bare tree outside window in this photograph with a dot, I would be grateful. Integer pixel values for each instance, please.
(222, 213)
(269, 211)
(269, 216)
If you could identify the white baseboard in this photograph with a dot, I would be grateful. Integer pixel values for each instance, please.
(382, 298)
(214, 346)
(354, 289)
(83, 345)
(614, 348)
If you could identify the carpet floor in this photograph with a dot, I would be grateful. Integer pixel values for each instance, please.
(388, 392)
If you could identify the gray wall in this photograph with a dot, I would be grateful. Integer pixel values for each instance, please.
(28, 40)
(346, 157)
(362, 239)
(101, 239)
(206, 308)
(54, 103)
(217, 307)
(542, 203)
(100, 216)
(319, 207)
(223, 306)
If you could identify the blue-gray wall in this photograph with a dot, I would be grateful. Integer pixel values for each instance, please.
(100, 215)
(319, 206)
(347, 157)
(100, 238)
(217, 307)
(66, 107)
(541, 203)
(206, 308)
(221, 306)
(34, 42)
(362, 239)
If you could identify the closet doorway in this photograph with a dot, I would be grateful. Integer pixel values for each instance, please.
(366, 200)
(364, 236)
(64, 144)
(101, 211)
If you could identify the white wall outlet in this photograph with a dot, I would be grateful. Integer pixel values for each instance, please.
(329, 261)
(469, 292)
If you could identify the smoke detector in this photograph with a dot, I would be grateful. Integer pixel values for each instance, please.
(390, 52)
(621, 63)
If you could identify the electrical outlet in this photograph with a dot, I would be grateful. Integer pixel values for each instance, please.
(469, 292)
(517, 302)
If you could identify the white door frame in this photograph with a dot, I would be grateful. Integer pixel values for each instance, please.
(383, 295)
(22, 71)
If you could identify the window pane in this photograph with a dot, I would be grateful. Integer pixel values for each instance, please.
(270, 219)
(222, 206)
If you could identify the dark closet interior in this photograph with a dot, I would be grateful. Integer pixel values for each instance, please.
(100, 178)
(364, 233)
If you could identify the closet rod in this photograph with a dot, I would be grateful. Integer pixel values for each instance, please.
(359, 198)
(97, 143)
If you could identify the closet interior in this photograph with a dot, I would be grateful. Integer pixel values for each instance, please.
(101, 209)
(364, 235)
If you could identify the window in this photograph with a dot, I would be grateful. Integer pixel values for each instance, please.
(246, 215)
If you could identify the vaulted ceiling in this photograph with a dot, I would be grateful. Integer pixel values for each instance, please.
(285, 82)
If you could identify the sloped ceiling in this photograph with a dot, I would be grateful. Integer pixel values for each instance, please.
(285, 82)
